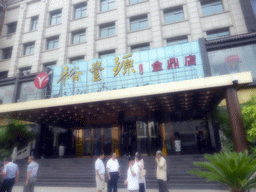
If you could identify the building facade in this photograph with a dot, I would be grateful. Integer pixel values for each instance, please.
(56, 36)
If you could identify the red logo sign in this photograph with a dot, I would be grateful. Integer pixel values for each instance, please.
(41, 80)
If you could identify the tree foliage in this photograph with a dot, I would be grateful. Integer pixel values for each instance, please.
(14, 135)
(248, 111)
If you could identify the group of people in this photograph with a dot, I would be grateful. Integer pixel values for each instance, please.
(135, 179)
(10, 175)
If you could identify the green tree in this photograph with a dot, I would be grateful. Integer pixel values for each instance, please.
(248, 111)
(14, 135)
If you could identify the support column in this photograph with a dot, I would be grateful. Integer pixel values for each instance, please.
(235, 119)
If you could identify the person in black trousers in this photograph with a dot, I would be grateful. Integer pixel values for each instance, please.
(10, 173)
(113, 172)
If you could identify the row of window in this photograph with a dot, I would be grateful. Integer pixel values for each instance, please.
(141, 22)
(79, 37)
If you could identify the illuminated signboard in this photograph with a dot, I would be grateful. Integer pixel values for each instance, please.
(161, 65)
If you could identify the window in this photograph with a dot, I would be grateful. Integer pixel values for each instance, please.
(80, 10)
(107, 5)
(76, 59)
(138, 23)
(136, 1)
(142, 47)
(177, 40)
(25, 71)
(107, 53)
(7, 53)
(211, 7)
(173, 15)
(29, 48)
(217, 34)
(11, 28)
(78, 37)
(107, 30)
(49, 65)
(3, 74)
(55, 18)
(34, 22)
(253, 3)
(53, 43)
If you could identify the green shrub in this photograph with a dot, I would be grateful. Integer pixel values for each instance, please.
(230, 169)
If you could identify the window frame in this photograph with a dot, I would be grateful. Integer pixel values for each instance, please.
(4, 74)
(78, 6)
(139, 20)
(79, 33)
(30, 46)
(211, 4)
(10, 27)
(140, 46)
(137, 1)
(108, 28)
(108, 3)
(24, 69)
(5, 52)
(33, 19)
(49, 64)
(170, 12)
(76, 59)
(103, 54)
(52, 39)
(58, 15)
(176, 40)
(217, 32)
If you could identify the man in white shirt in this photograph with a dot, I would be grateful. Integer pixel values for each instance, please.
(10, 173)
(113, 171)
(132, 180)
(31, 175)
(161, 172)
(100, 172)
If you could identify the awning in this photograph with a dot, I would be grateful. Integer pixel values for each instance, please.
(184, 99)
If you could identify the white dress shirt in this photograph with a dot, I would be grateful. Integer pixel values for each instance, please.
(99, 165)
(113, 166)
(133, 181)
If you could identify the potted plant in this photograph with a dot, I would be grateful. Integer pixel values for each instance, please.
(234, 170)
(116, 147)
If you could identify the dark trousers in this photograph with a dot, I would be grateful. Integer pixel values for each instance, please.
(112, 183)
(142, 187)
(7, 185)
(162, 185)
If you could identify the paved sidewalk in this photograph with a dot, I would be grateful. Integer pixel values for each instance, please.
(79, 189)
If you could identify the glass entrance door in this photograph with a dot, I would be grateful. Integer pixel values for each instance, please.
(142, 130)
(87, 147)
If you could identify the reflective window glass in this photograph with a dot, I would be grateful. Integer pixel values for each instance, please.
(171, 16)
(212, 7)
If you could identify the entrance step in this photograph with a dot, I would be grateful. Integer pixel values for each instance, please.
(79, 172)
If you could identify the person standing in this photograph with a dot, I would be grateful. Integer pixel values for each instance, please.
(132, 180)
(125, 143)
(100, 172)
(113, 171)
(10, 174)
(142, 172)
(161, 172)
(31, 175)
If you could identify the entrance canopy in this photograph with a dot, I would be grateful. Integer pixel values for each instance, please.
(184, 100)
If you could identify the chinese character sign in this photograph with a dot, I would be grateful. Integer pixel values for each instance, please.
(126, 64)
(74, 74)
(96, 68)
(154, 66)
